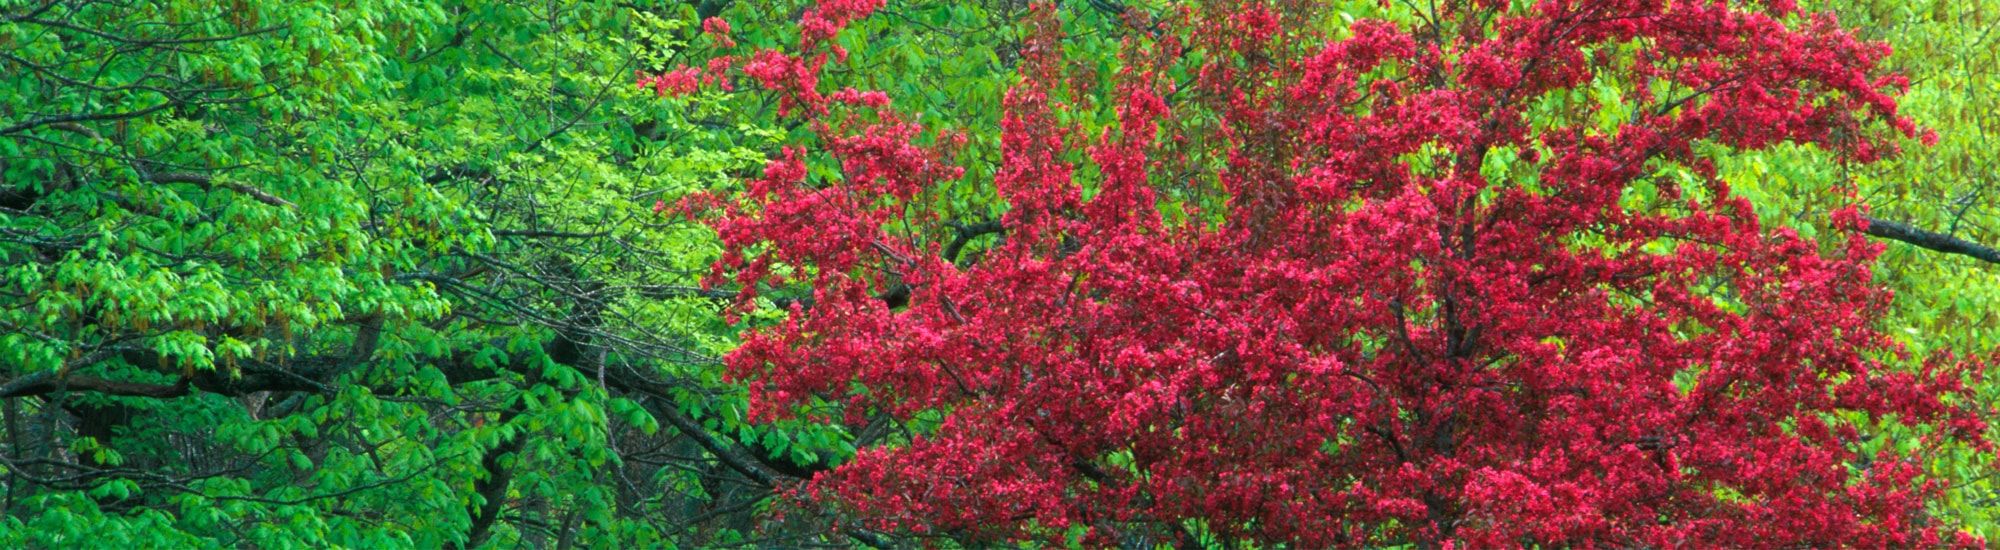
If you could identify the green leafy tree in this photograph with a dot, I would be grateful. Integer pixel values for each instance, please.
(367, 274)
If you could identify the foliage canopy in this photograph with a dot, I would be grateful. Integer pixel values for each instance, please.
(389, 273)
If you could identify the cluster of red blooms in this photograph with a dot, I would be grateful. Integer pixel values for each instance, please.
(687, 80)
(1375, 339)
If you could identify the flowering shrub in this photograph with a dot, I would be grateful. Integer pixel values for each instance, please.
(1457, 276)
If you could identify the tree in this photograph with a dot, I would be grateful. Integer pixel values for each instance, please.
(1353, 273)
(374, 274)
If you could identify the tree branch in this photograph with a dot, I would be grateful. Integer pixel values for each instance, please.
(1931, 240)
(492, 489)
(966, 233)
(45, 121)
(206, 182)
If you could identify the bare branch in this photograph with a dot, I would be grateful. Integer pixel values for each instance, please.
(1931, 240)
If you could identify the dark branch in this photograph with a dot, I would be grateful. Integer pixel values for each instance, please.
(533, 234)
(492, 489)
(1898, 231)
(45, 121)
(206, 182)
(966, 233)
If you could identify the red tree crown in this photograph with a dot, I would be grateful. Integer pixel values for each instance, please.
(1466, 276)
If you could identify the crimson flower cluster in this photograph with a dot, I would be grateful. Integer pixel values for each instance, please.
(1464, 276)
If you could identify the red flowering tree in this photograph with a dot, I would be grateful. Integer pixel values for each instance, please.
(1461, 274)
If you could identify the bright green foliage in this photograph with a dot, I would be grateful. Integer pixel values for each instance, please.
(307, 274)
(181, 206)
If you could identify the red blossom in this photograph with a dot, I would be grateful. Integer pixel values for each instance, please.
(1370, 339)
(717, 28)
(678, 82)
